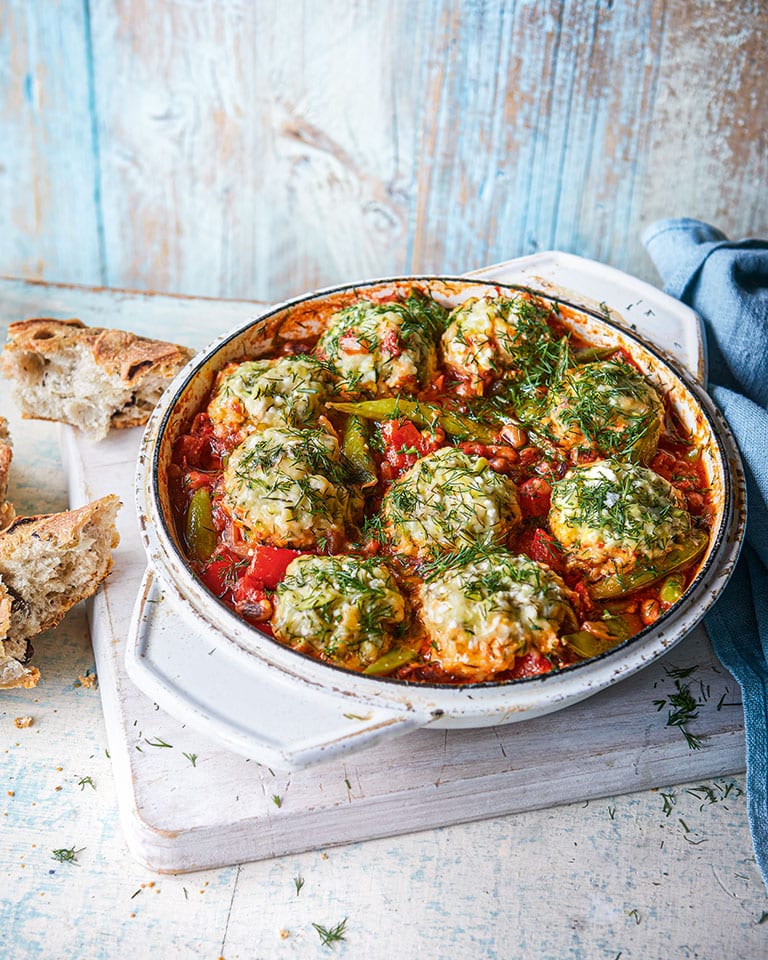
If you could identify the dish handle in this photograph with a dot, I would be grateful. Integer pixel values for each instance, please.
(254, 711)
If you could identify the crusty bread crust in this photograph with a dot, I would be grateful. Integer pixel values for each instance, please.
(90, 377)
(47, 565)
(6, 509)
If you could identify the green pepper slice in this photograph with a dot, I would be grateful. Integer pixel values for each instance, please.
(672, 588)
(618, 584)
(391, 661)
(606, 634)
(200, 534)
(355, 448)
(586, 644)
(422, 414)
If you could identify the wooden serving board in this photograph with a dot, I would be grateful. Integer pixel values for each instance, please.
(223, 809)
(188, 804)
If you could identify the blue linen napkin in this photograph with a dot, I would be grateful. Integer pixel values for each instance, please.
(726, 283)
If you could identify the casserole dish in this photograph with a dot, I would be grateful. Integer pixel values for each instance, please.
(308, 709)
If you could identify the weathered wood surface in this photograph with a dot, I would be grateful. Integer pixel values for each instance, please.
(656, 874)
(238, 149)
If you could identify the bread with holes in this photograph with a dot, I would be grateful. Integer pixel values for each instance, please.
(89, 377)
(47, 565)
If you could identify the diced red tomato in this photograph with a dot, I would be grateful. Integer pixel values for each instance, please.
(390, 345)
(543, 548)
(250, 598)
(232, 577)
(269, 564)
(531, 664)
(404, 444)
(196, 479)
(584, 605)
(221, 573)
(198, 448)
(535, 495)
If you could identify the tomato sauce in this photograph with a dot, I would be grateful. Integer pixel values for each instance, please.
(243, 576)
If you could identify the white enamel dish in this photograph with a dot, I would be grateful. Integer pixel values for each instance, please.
(207, 667)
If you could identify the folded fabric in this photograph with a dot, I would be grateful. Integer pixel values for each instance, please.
(726, 283)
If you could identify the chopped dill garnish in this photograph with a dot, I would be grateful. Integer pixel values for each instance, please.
(298, 882)
(192, 757)
(66, 855)
(669, 802)
(277, 800)
(83, 782)
(330, 935)
(715, 793)
(157, 742)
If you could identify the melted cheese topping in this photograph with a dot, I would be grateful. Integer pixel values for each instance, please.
(608, 515)
(448, 500)
(286, 487)
(608, 408)
(344, 608)
(288, 391)
(378, 349)
(482, 614)
(487, 336)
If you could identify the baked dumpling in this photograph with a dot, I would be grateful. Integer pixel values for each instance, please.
(606, 408)
(284, 392)
(449, 500)
(381, 349)
(287, 487)
(481, 613)
(609, 516)
(487, 336)
(345, 609)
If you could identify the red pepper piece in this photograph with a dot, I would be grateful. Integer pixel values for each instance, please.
(268, 564)
(531, 664)
(535, 497)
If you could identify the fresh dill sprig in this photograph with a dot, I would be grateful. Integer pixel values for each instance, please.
(157, 742)
(298, 882)
(83, 782)
(66, 855)
(682, 710)
(715, 793)
(192, 757)
(330, 935)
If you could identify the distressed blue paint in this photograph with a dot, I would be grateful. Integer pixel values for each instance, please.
(95, 145)
(46, 171)
(257, 150)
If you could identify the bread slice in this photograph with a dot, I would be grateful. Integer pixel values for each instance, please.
(47, 565)
(6, 510)
(89, 377)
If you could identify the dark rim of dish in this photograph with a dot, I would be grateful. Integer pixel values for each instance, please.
(680, 374)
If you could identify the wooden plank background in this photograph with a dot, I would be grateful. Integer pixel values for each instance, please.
(259, 149)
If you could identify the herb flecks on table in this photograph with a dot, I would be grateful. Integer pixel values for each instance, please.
(66, 855)
(330, 935)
